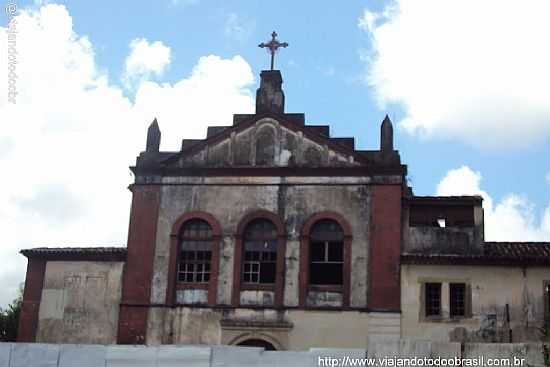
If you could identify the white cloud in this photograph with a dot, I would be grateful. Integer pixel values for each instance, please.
(146, 59)
(215, 90)
(511, 219)
(67, 143)
(471, 70)
(238, 28)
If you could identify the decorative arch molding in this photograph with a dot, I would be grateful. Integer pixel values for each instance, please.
(267, 121)
(261, 214)
(258, 336)
(266, 131)
(306, 229)
(305, 259)
(207, 217)
(277, 288)
(212, 285)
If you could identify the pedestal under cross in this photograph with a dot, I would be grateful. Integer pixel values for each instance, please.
(272, 46)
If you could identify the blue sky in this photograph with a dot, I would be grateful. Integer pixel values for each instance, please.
(322, 69)
(470, 104)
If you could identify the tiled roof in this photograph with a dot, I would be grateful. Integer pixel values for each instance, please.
(517, 249)
(494, 253)
(77, 253)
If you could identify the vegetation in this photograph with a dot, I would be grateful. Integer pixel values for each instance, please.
(9, 320)
(546, 354)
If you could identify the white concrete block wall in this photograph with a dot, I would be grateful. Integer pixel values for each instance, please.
(71, 355)
(35, 355)
(188, 356)
(224, 356)
(51, 355)
(131, 356)
(5, 354)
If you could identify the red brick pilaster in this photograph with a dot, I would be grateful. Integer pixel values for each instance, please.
(28, 318)
(384, 293)
(138, 272)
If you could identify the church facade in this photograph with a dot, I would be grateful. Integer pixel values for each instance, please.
(270, 232)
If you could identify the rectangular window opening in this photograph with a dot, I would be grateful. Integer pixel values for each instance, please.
(457, 299)
(433, 299)
(260, 263)
(326, 263)
(195, 264)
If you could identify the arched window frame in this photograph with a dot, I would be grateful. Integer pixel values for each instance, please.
(305, 240)
(212, 284)
(278, 287)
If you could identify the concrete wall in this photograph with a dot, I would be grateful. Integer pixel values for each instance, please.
(423, 237)
(48, 355)
(284, 329)
(229, 200)
(80, 302)
(266, 143)
(491, 288)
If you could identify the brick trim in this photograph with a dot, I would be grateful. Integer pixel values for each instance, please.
(138, 271)
(32, 295)
(384, 288)
(355, 171)
(174, 256)
(304, 256)
(238, 260)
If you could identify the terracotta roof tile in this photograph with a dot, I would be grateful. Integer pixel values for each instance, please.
(494, 253)
(77, 253)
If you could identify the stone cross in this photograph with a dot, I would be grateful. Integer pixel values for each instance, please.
(272, 46)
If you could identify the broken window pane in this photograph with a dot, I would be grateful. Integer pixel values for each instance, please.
(326, 274)
(260, 252)
(195, 252)
(433, 299)
(326, 254)
(317, 251)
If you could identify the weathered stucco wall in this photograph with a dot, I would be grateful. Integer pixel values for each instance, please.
(294, 204)
(285, 329)
(266, 143)
(491, 289)
(80, 302)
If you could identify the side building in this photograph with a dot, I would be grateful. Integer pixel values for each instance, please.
(272, 233)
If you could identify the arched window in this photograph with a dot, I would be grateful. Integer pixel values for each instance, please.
(195, 256)
(260, 252)
(257, 343)
(326, 260)
(194, 259)
(259, 260)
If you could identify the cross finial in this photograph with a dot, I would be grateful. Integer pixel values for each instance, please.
(272, 46)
